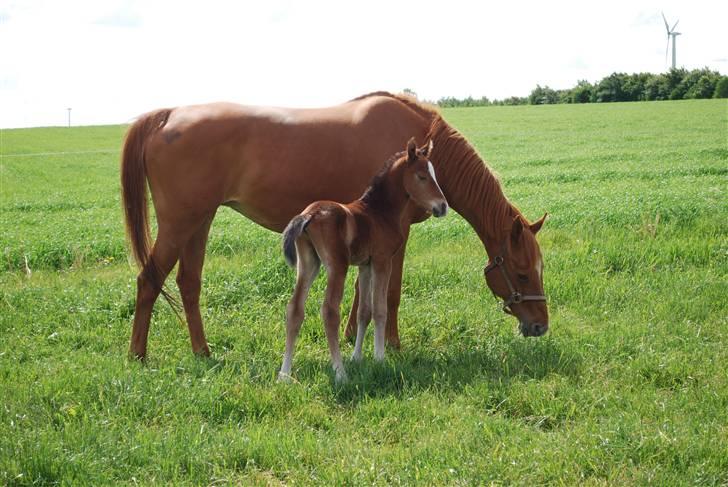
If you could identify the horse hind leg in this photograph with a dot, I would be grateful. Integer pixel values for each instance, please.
(189, 281)
(149, 285)
(307, 268)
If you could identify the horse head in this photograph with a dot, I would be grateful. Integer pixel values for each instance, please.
(515, 274)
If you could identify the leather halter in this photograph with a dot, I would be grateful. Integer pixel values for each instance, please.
(515, 296)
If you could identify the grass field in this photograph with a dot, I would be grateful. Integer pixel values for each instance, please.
(630, 386)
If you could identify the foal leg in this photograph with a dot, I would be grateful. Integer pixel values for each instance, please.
(164, 255)
(307, 269)
(380, 281)
(364, 311)
(189, 280)
(331, 315)
(351, 323)
(394, 295)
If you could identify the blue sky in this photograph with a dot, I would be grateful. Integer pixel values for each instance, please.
(112, 60)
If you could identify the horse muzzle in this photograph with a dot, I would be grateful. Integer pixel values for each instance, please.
(533, 329)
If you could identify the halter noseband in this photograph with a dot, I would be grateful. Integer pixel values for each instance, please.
(515, 296)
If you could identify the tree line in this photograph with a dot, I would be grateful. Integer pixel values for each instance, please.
(676, 84)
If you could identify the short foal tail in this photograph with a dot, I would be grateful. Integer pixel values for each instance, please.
(134, 194)
(290, 234)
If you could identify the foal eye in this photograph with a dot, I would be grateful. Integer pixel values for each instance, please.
(421, 177)
(523, 277)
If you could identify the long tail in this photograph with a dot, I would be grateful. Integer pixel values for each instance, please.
(290, 234)
(134, 195)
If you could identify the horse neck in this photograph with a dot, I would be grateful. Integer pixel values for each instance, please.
(471, 188)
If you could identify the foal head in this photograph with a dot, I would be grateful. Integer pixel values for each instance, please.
(419, 179)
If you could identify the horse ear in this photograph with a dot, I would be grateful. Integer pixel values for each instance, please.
(536, 226)
(426, 150)
(516, 229)
(411, 150)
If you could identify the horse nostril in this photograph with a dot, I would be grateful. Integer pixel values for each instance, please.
(539, 329)
(441, 210)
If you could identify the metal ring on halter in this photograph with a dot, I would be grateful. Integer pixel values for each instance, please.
(515, 297)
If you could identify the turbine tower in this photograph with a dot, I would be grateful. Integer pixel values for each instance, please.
(673, 34)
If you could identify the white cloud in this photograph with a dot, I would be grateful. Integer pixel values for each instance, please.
(113, 60)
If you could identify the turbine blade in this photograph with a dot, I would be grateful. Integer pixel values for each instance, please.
(666, 24)
(667, 47)
(673, 27)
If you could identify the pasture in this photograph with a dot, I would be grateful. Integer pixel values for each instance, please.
(630, 385)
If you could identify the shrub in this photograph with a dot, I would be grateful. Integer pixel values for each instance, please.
(721, 88)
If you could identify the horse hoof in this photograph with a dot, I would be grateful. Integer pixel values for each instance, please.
(284, 378)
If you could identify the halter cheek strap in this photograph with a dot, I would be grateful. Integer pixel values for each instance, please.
(515, 297)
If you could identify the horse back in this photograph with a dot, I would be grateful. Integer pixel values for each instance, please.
(268, 163)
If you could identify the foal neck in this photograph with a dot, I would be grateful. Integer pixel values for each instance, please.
(386, 197)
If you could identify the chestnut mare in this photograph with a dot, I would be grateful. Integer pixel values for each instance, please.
(365, 233)
(259, 161)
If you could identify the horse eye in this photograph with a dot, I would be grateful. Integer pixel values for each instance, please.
(523, 277)
(421, 177)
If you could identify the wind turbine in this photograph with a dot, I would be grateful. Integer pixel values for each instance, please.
(673, 34)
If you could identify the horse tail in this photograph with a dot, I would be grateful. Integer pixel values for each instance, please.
(134, 194)
(294, 228)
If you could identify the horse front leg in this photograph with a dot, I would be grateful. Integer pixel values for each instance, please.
(394, 292)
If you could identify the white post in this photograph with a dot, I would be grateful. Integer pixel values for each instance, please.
(69, 110)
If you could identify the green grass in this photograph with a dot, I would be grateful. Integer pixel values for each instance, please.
(629, 386)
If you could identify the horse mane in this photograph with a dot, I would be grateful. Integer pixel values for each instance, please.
(374, 196)
(421, 108)
(470, 179)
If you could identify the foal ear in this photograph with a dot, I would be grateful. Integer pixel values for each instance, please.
(426, 149)
(516, 229)
(536, 226)
(411, 150)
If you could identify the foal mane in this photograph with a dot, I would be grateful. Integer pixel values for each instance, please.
(374, 196)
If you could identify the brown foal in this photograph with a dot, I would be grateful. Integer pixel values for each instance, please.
(365, 233)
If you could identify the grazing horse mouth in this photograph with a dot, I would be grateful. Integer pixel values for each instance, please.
(532, 329)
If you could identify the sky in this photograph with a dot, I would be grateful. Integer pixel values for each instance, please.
(112, 60)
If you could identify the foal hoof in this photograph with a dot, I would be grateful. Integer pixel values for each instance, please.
(341, 378)
(284, 378)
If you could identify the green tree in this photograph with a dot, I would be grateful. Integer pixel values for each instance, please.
(543, 95)
(721, 88)
(610, 88)
(582, 92)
